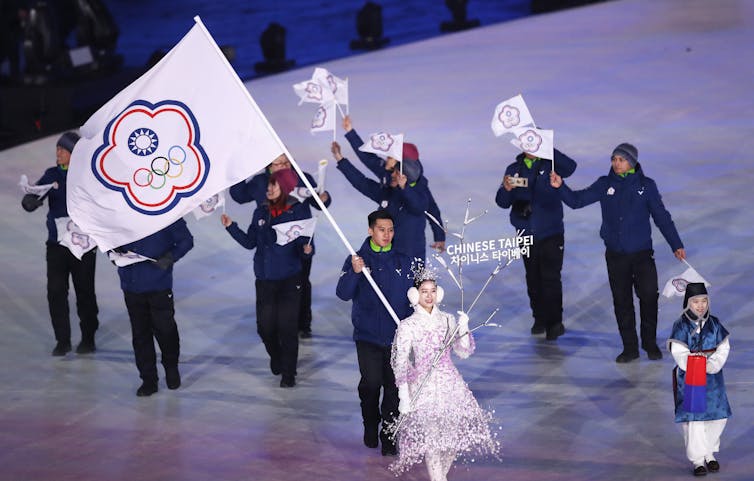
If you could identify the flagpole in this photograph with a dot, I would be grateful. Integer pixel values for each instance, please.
(295, 165)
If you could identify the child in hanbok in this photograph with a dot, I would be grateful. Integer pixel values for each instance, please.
(704, 413)
(439, 418)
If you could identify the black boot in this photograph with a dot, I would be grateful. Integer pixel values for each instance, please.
(370, 436)
(86, 346)
(146, 389)
(61, 348)
(172, 377)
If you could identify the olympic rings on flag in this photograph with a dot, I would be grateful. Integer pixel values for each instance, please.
(160, 167)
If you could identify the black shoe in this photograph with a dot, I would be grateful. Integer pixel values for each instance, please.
(654, 353)
(172, 377)
(554, 332)
(626, 356)
(288, 381)
(146, 389)
(700, 471)
(61, 349)
(388, 447)
(275, 365)
(86, 346)
(370, 437)
(713, 466)
(305, 334)
(537, 328)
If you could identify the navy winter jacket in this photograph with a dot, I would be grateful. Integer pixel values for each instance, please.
(56, 199)
(546, 210)
(406, 206)
(273, 261)
(147, 276)
(391, 271)
(627, 202)
(376, 165)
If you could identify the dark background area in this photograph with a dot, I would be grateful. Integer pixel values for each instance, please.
(60, 60)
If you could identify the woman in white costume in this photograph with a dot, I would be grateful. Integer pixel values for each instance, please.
(440, 420)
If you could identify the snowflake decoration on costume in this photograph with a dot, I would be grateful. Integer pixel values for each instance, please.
(424, 271)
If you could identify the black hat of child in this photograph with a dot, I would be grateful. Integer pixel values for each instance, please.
(628, 152)
(694, 289)
(68, 140)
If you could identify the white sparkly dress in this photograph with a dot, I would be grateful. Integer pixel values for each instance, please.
(445, 420)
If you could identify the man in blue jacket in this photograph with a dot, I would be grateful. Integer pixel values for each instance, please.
(383, 169)
(148, 291)
(536, 209)
(628, 198)
(62, 265)
(373, 327)
(406, 198)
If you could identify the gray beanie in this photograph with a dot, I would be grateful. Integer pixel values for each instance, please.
(628, 152)
(68, 141)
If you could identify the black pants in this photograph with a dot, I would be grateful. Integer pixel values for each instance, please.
(637, 272)
(61, 265)
(305, 309)
(152, 316)
(277, 320)
(543, 282)
(376, 375)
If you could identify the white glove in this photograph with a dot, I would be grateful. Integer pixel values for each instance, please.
(463, 323)
(463, 330)
(404, 405)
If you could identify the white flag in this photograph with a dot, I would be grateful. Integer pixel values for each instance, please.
(184, 131)
(209, 206)
(290, 231)
(385, 145)
(676, 285)
(312, 91)
(511, 114)
(337, 86)
(536, 142)
(39, 190)
(70, 236)
(324, 118)
(126, 258)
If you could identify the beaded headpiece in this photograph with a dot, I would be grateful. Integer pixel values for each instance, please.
(424, 272)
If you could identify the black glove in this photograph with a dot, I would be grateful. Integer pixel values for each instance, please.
(31, 202)
(165, 261)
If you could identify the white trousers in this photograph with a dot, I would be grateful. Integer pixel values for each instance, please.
(702, 439)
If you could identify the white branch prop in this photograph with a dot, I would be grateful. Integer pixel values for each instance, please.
(433, 219)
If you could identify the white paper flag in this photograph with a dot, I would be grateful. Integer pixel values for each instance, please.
(324, 118)
(676, 285)
(209, 206)
(290, 231)
(126, 258)
(321, 171)
(70, 236)
(184, 131)
(511, 114)
(385, 145)
(337, 86)
(39, 190)
(537, 142)
(312, 91)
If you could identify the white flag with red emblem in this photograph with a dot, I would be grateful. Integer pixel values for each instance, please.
(312, 91)
(290, 231)
(676, 285)
(510, 115)
(537, 142)
(184, 131)
(385, 145)
(210, 206)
